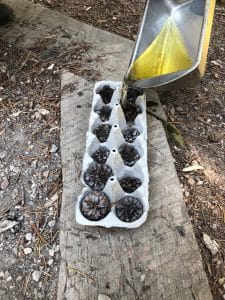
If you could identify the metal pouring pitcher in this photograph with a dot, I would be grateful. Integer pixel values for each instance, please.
(172, 44)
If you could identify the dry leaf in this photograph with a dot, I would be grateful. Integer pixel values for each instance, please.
(193, 168)
(4, 184)
(51, 67)
(210, 244)
(16, 114)
(217, 63)
(43, 111)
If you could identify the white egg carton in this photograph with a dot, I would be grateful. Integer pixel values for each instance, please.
(112, 188)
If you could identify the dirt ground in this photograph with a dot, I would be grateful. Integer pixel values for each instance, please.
(30, 167)
(120, 17)
(30, 176)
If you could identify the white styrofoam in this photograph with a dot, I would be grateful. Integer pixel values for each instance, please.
(140, 170)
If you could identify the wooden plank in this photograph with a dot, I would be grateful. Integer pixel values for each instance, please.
(160, 260)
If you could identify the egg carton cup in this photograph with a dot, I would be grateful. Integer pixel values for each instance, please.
(117, 123)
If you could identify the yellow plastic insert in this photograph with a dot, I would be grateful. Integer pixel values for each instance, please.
(166, 54)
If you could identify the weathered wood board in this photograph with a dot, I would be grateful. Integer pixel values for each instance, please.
(157, 261)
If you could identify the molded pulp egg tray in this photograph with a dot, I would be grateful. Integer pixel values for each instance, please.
(115, 172)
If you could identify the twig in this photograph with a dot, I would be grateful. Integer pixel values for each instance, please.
(81, 273)
(223, 211)
(24, 197)
(43, 228)
(26, 284)
(8, 208)
(47, 274)
(203, 122)
(34, 227)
